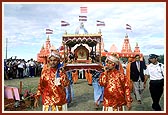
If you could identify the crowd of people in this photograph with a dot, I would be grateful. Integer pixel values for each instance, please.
(19, 68)
(112, 85)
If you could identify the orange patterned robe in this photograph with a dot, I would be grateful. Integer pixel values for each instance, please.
(128, 75)
(88, 76)
(52, 94)
(75, 76)
(121, 68)
(116, 89)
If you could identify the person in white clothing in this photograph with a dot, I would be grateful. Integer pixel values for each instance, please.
(81, 73)
(21, 66)
(155, 71)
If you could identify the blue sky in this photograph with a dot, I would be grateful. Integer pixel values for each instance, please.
(24, 25)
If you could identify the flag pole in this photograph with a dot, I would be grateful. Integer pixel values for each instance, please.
(126, 30)
(6, 47)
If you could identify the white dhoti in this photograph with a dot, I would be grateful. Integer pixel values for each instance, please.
(55, 108)
(121, 108)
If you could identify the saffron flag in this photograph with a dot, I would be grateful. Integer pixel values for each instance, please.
(49, 31)
(100, 23)
(64, 23)
(128, 27)
(83, 9)
(82, 18)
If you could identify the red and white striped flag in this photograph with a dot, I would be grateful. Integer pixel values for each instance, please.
(83, 9)
(128, 27)
(64, 23)
(100, 23)
(49, 31)
(82, 18)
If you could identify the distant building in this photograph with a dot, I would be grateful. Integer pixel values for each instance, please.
(126, 50)
(44, 52)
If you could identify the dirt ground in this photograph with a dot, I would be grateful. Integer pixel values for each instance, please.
(83, 96)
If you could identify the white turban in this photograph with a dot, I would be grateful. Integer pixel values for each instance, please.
(113, 59)
(55, 54)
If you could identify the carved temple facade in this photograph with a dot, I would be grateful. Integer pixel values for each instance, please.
(87, 43)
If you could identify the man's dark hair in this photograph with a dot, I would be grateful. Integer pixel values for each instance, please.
(137, 55)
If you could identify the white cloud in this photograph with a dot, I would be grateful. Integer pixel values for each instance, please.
(25, 24)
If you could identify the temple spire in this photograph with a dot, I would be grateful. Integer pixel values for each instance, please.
(126, 45)
(48, 38)
(126, 36)
(42, 46)
(137, 50)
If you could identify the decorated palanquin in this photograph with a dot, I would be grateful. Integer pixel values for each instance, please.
(83, 48)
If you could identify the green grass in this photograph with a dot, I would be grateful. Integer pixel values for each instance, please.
(83, 95)
(27, 83)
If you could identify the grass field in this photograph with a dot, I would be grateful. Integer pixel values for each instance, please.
(83, 96)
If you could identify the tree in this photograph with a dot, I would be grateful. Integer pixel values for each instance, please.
(161, 59)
